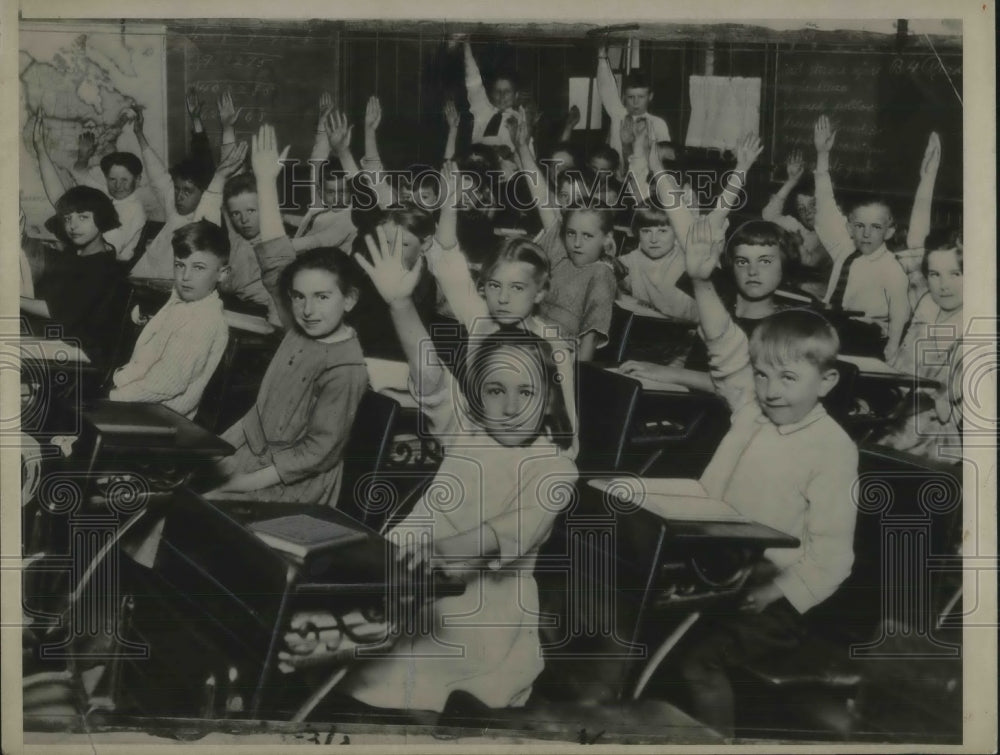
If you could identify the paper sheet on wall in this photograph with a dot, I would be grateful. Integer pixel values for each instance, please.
(578, 88)
(723, 109)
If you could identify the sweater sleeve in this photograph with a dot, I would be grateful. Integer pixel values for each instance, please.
(729, 363)
(274, 256)
(828, 542)
(338, 394)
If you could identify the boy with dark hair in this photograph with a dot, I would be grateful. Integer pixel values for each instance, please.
(490, 113)
(631, 105)
(181, 346)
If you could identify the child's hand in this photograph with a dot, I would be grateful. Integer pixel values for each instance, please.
(705, 241)
(932, 156)
(86, 146)
(338, 131)
(748, 149)
(759, 598)
(416, 554)
(325, 106)
(628, 131)
(451, 115)
(795, 166)
(392, 280)
(823, 135)
(232, 163)
(520, 132)
(193, 103)
(573, 116)
(227, 110)
(373, 114)
(450, 174)
(264, 158)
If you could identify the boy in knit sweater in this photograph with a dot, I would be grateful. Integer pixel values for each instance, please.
(183, 343)
(784, 463)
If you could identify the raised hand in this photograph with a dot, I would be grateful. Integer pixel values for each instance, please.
(520, 132)
(451, 115)
(573, 116)
(748, 149)
(232, 163)
(392, 280)
(628, 131)
(193, 103)
(795, 166)
(325, 106)
(86, 146)
(705, 241)
(373, 114)
(227, 110)
(264, 157)
(932, 156)
(823, 135)
(338, 131)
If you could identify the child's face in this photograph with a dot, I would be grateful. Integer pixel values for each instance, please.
(788, 392)
(186, 196)
(757, 270)
(584, 238)
(318, 304)
(197, 276)
(427, 196)
(512, 292)
(80, 228)
(335, 193)
(805, 208)
(242, 211)
(870, 227)
(656, 241)
(121, 182)
(601, 165)
(413, 247)
(513, 395)
(503, 94)
(561, 161)
(637, 100)
(944, 279)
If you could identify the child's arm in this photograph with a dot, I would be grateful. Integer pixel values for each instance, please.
(373, 117)
(747, 152)
(572, 118)
(338, 135)
(897, 293)
(210, 205)
(479, 102)
(201, 150)
(52, 183)
(728, 349)
(607, 88)
(599, 302)
(540, 190)
(659, 373)
(227, 118)
(452, 118)
(920, 215)
(274, 251)
(671, 198)
(831, 225)
(395, 285)
(773, 210)
(320, 149)
(159, 177)
(636, 154)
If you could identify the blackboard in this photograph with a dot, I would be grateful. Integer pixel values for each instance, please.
(884, 106)
(275, 75)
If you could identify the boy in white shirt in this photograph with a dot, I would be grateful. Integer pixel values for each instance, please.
(490, 114)
(784, 463)
(181, 346)
(866, 276)
(632, 105)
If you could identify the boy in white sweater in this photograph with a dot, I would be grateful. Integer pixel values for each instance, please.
(180, 347)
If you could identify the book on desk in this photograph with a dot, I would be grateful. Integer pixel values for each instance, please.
(301, 535)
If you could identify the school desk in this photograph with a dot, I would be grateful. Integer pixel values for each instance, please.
(665, 571)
